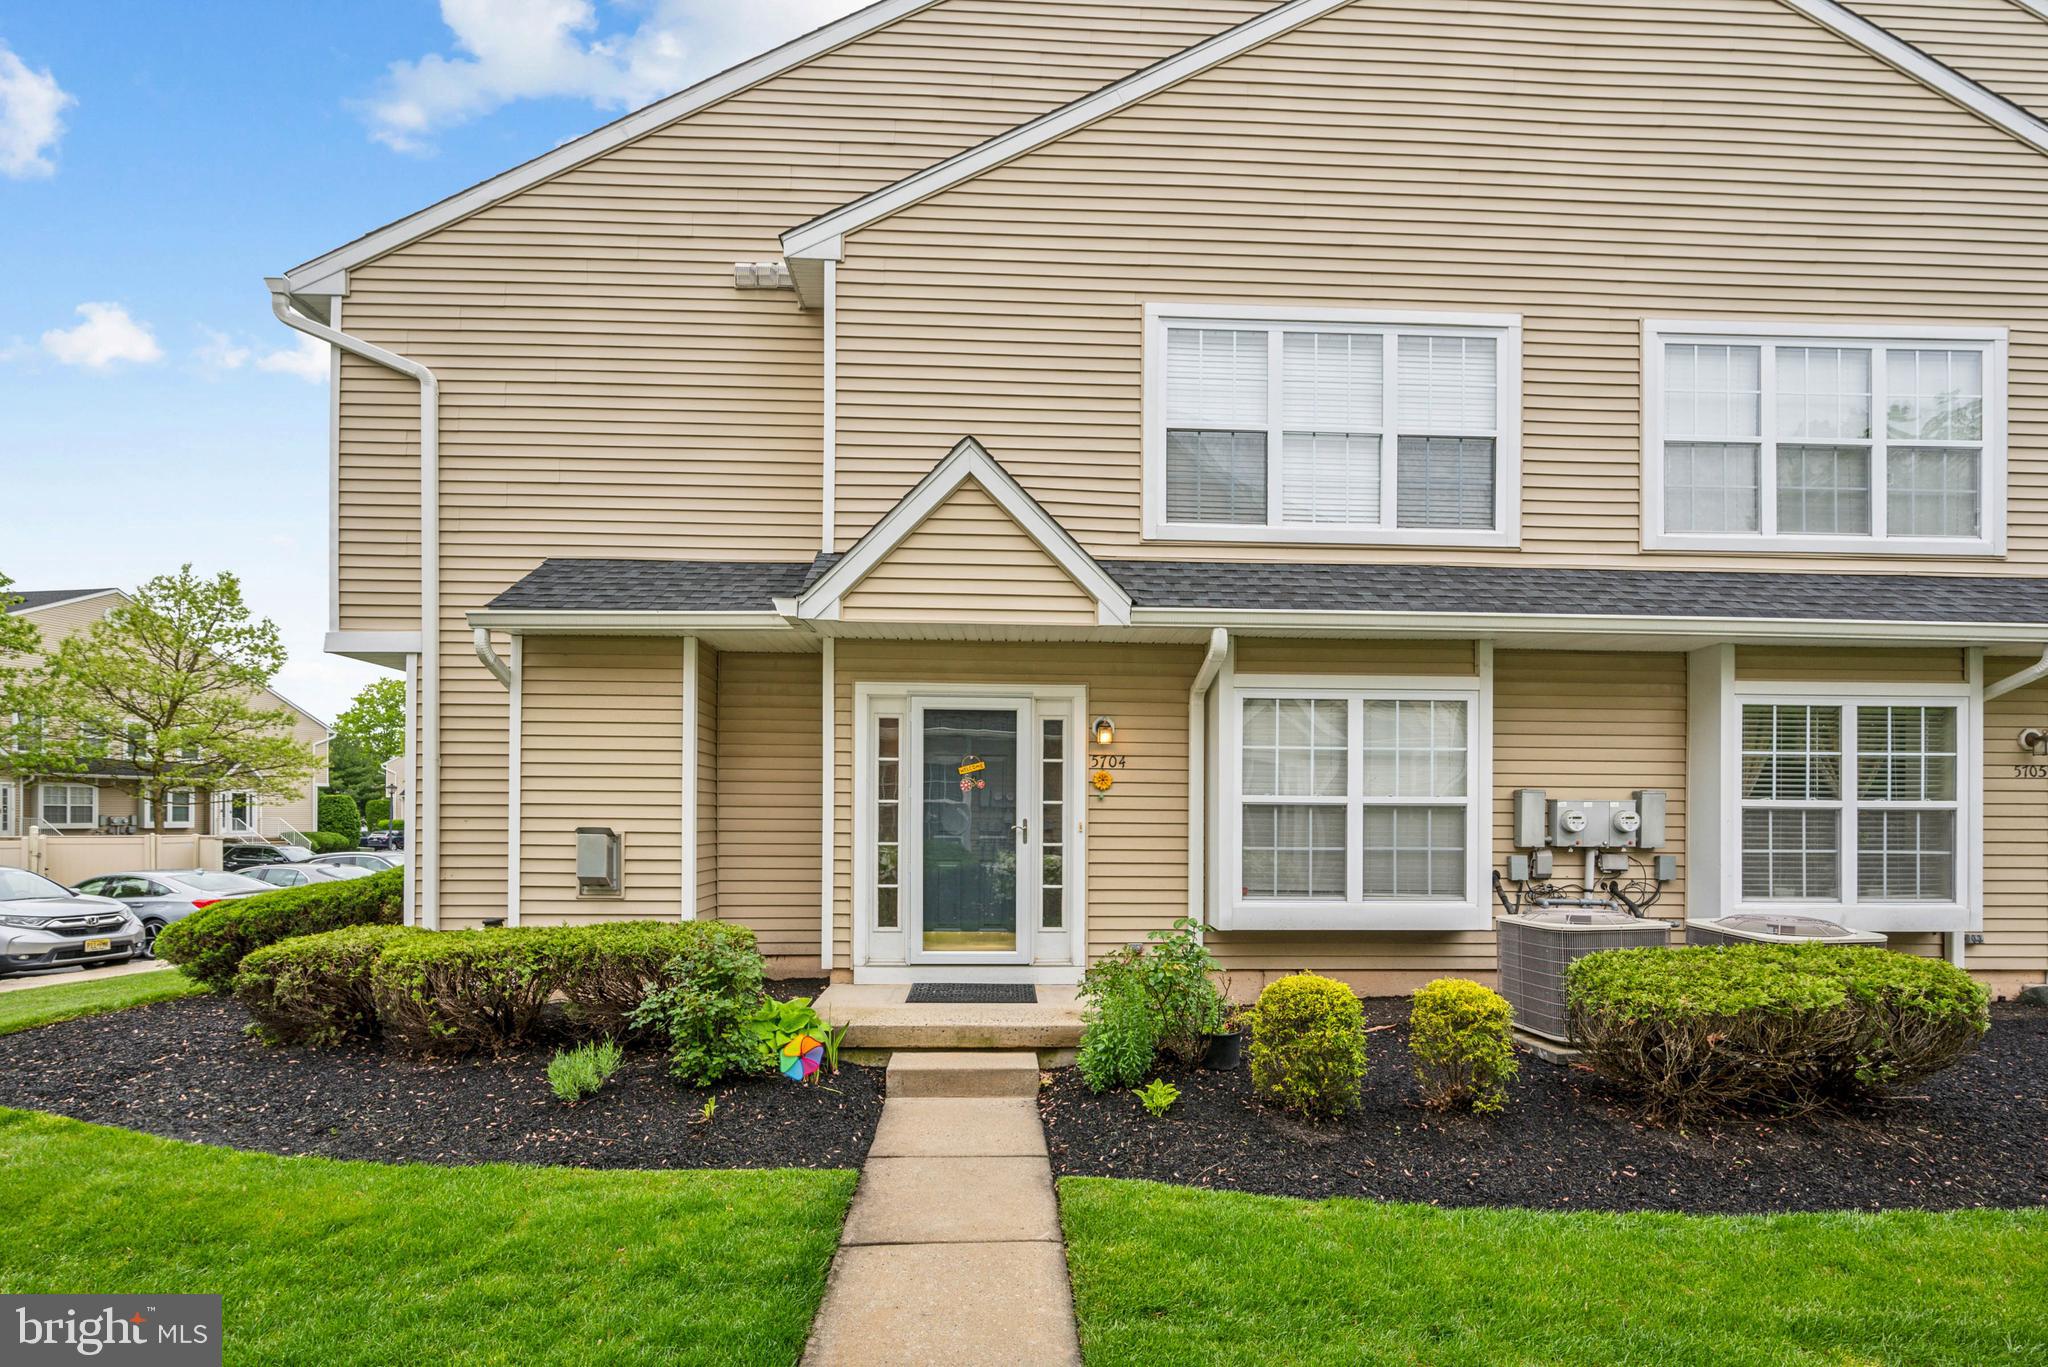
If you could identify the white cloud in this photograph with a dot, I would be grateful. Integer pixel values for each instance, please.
(510, 50)
(222, 352)
(308, 360)
(31, 109)
(107, 336)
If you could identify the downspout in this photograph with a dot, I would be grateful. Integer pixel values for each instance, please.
(427, 806)
(488, 653)
(1198, 739)
(2037, 670)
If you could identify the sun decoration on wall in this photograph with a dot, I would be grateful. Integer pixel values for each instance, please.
(1102, 778)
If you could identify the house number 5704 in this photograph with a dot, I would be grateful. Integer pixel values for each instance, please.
(1106, 761)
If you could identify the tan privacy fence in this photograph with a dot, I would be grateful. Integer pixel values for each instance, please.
(71, 858)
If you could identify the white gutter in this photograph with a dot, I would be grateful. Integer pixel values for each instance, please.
(425, 835)
(488, 653)
(535, 621)
(1475, 624)
(2037, 670)
(1198, 739)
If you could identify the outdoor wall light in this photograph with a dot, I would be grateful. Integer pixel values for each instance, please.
(1105, 731)
(2034, 740)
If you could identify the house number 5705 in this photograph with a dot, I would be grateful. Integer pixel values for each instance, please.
(1106, 761)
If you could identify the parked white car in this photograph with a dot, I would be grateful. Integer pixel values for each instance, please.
(44, 924)
(299, 875)
(357, 859)
(160, 896)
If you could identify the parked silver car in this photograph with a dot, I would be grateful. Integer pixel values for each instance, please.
(46, 925)
(160, 896)
(299, 875)
(357, 859)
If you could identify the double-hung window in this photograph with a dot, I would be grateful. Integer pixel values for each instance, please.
(1333, 426)
(1354, 808)
(1878, 439)
(68, 804)
(1852, 802)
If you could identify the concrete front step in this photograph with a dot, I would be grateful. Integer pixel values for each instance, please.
(976, 1073)
(878, 1017)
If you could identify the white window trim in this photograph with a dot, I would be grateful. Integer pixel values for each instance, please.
(171, 823)
(1966, 911)
(1658, 332)
(1506, 328)
(1234, 911)
(86, 825)
(10, 807)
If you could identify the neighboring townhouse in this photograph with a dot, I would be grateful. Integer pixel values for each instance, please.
(991, 477)
(106, 798)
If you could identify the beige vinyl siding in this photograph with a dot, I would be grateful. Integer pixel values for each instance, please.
(1578, 724)
(1809, 664)
(969, 562)
(1137, 834)
(2015, 948)
(60, 620)
(1583, 165)
(601, 744)
(706, 834)
(1998, 43)
(605, 389)
(1281, 655)
(769, 756)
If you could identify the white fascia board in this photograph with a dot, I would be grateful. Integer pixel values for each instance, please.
(1252, 620)
(1886, 47)
(968, 460)
(2038, 8)
(327, 274)
(387, 648)
(62, 602)
(823, 232)
(535, 622)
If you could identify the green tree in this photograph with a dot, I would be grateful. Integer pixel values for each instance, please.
(169, 686)
(19, 640)
(350, 770)
(375, 721)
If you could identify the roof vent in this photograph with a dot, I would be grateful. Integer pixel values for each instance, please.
(762, 275)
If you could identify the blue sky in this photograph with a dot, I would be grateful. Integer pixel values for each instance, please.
(157, 161)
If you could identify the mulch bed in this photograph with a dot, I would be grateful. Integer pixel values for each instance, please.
(185, 1070)
(1976, 1135)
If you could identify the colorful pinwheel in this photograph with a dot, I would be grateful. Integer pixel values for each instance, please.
(802, 1057)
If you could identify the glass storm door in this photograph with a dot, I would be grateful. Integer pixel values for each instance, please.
(974, 803)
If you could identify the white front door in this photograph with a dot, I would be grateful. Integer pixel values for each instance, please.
(969, 870)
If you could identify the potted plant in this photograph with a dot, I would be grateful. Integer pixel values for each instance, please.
(1223, 1049)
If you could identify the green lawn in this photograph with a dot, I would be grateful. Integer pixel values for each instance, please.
(1168, 1274)
(27, 1007)
(328, 1262)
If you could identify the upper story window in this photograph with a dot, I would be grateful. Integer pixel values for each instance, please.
(1870, 439)
(1331, 426)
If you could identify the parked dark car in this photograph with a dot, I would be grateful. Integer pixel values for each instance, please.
(255, 855)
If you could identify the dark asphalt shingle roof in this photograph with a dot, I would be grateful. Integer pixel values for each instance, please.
(39, 598)
(1496, 589)
(751, 586)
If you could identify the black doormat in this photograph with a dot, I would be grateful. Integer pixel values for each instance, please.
(980, 994)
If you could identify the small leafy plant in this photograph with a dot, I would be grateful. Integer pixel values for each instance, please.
(776, 1023)
(705, 1007)
(1145, 998)
(710, 1109)
(580, 1072)
(1157, 1096)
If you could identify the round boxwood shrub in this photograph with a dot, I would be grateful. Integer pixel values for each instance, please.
(1308, 1045)
(315, 989)
(1788, 1027)
(1461, 1036)
(330, 842)
(211, 943)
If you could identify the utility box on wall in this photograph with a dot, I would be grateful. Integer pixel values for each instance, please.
(597, 859)
(1633, 823)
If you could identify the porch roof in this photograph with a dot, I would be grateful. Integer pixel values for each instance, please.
(1253, 587)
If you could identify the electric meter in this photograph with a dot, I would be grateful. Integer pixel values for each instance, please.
(1572, 820)
(1626, 821)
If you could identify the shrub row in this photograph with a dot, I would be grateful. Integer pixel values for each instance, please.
(211, 943)
(456, 992)
(1784, 1026)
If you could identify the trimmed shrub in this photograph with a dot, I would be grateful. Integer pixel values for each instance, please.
(612, 968)
(330, 842)
(338, 812)
(706, 1006)
(1789, 1027)
(1308, 1045)
(315, 989)
(453, 992)
(377, 812)
(1462, 1038)
(211, 943)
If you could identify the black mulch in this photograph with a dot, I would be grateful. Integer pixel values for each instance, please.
(184, 1070)
(1976, 1135)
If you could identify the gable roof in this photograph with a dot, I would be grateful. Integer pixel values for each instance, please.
(328, 273)
(967, 461)
(35, 599)
(2001, 45)
(822, 238)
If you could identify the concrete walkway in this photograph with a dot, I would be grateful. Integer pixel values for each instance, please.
(952, 1253)
(83, 975)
